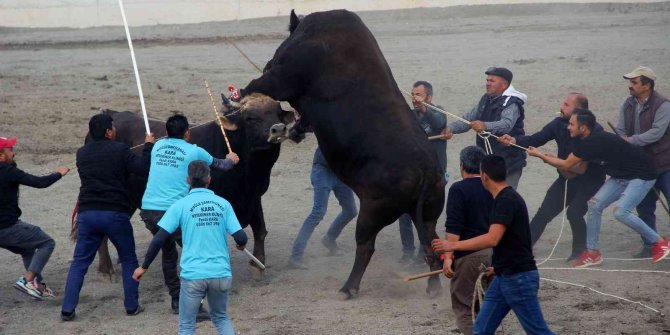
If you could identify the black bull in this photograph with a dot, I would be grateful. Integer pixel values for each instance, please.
(255, 132)
(331, 70)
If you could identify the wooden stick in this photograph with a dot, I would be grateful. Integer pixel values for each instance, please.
(423, 275)
(253, 258)
(436, 137)
(218, 116)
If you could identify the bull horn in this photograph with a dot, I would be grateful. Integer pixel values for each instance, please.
(227, 124)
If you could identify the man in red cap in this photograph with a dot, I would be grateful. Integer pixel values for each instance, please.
(34, 245)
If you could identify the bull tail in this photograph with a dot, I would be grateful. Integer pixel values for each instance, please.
(74, 224)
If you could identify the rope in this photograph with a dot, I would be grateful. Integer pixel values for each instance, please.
(242, 53)
(560, 234)
(478, 295)
(601, 293)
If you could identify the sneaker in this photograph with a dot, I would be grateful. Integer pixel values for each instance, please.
(28, 287)
(587, 259)
(297, 264)
(65, 316)
(660, 250)
(138, 310)
(406, 258)
(645, 252)
(46, 291)
(330, 245)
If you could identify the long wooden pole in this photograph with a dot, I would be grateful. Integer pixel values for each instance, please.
(137, 73)
(218, 116)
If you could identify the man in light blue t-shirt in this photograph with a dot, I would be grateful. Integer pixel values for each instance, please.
(170, 158)
(205, 220)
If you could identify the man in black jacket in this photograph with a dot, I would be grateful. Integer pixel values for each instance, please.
(581, 187)
(34, 245)
(104, 209)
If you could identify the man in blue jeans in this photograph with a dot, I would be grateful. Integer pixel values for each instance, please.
(34, 245)
(205, 220)
(632, 174)
(104, 209)
(323, 181)
(516, 280)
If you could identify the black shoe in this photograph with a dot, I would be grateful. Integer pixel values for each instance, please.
(138, 310)
(645, 252)
(175, 306)
(203, 314)
(65, 316)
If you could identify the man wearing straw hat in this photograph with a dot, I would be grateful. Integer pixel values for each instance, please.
(643, 121)
(499, 111)
(34, 245)
(205, 220)
(167, 184)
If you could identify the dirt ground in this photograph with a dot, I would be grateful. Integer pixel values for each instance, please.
(53, 80)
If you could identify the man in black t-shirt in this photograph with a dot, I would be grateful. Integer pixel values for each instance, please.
(632, 174)
(517, 281)
(468, 209)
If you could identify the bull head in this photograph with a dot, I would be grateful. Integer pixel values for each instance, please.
(261, 116)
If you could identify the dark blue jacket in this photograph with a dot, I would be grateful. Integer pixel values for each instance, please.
(557, 130)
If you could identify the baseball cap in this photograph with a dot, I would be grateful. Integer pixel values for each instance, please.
(7, 142)
(500, 72)
(641, 71)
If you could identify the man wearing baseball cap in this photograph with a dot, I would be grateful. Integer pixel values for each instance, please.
(643, 121)
(34, 245)
(499, 112)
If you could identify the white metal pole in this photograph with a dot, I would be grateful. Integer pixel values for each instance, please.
(137, 73)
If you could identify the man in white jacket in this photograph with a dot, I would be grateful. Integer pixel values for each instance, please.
(499, 112)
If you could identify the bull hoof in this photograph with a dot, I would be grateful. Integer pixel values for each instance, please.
(346, 294)
(256, 273)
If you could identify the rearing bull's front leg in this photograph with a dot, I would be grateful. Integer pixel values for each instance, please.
(259, 231)
(366, 234)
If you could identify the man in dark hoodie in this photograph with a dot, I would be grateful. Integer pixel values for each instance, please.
(104, 209)
(34, 245)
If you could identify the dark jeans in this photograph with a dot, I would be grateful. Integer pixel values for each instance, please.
(517, 292)
(29, 241)
(580, 190)
(93, 226)
(462, 287)
(170, 255)
(647, 208)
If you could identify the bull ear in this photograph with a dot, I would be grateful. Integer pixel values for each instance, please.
(295, 21)
(227, 124)
(286, 117)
